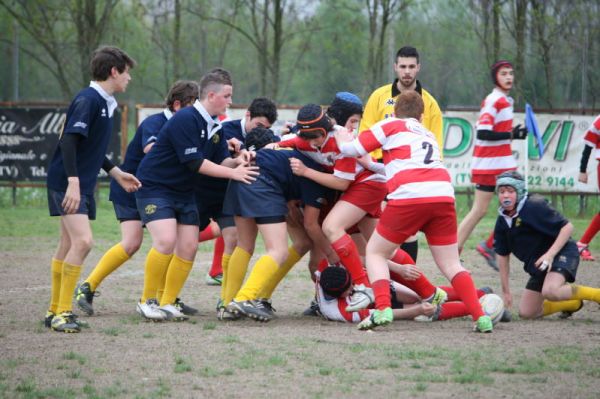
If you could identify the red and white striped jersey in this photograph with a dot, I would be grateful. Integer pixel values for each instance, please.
(334, 309)
(329, 156)
(413, 165)
(496, 115)
(592, 137)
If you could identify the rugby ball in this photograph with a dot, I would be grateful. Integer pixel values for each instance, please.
(493, 306)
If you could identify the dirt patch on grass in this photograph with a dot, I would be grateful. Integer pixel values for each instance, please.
(296, 356)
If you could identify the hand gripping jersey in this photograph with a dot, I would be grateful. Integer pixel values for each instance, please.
(592, 137)
(494, 157)
(413, 166)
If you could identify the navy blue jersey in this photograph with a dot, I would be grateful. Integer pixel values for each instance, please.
(235, 129)
(531, 232)
(145, 134)
(89, 116)
(191, 134)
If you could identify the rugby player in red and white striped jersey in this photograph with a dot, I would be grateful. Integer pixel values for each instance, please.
(420, 198)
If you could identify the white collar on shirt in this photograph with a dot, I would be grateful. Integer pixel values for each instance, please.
(244, 133)
(167, 113)
(509, 219)
(111, 102)
(213, 126)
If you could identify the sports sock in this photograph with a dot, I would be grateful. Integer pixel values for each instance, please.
(70, 275)
(323, 263)
(422, 286)
(177, 274)
(570, 305)
(206, 234)
(412, 248)
(490, 241)
(264, 269)
(270, 285)
(587, 293)
(110, 261)
(453, 296)
(236, 271)
(451, 310)
(348, 253)
(56, 275)
(225, 267)
(463, 284)
(216, 268)
(381, 289)
(154, 273)
(591, 230)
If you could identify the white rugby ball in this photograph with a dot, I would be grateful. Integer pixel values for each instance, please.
(493, 306)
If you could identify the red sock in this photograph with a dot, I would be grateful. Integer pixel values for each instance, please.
(453, 309)
(463, 284)
(322, 264)
(591, 231)
(217, 266)
(381, 289)
(453, 296)
(490, 240)
(206, 234)
(422, 286)
(348, 253)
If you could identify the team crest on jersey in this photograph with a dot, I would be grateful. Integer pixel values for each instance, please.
(150, 209)
(216, 139)
(517, 222)
(103, 113)
(390, 101)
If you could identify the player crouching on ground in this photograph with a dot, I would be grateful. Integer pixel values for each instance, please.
(540, 237)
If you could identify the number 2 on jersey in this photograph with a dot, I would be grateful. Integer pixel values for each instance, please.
(429, 154)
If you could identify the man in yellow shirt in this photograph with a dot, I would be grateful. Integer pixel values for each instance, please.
(381, 102)
(381, 106)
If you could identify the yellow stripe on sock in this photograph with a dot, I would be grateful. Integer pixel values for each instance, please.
(551, 307)
(69, 278)
(272, 283)
(154, 272)
(110, 261)
(585, 293)
(177, 274)
(225, 266)
(56, 276)
(236, 271)
(263, 270)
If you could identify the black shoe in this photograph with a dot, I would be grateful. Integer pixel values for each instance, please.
(185, 309)
(268, 307)
(84, 296)
(313, 309)
(65, 322)
(48, 319)
(565, 314)
(253, 309)
(506, 316)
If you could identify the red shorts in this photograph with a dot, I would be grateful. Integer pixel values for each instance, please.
(598, 173)
(437, 220)
(487, 179)
(367, 195)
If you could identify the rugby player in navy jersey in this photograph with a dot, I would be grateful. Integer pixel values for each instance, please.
(191, 142)
(210, 194)
(262, 207)
(182, 94)
(540, 237)
(72, 176)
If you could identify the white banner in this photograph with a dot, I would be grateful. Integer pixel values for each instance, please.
(557, 170)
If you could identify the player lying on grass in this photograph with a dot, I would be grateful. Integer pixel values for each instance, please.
(540, 237)
(334, 287)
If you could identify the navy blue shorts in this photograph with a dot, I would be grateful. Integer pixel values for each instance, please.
(126, 212)
(87, 205)
(151, 209)
(215, 212)
(263, 198)
(565, 264)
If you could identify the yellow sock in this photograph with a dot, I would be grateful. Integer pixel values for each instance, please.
(110, 261)
(236, 271)
(70, 275)
(154, 270)
(550, 307)
(587, 293)
(264, 269)
(225, 266)
(177, 273)
(284, 269)
(56, 273)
